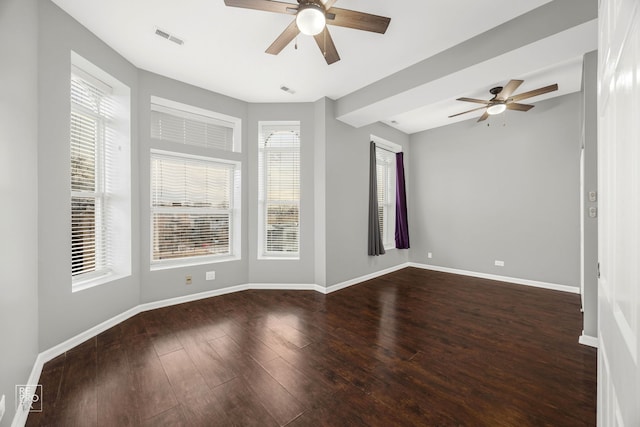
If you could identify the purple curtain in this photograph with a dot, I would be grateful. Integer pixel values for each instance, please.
(402, 224)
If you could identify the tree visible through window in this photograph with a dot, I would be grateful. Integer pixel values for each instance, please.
(279, 189)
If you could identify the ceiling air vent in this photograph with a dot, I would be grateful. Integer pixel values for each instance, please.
(170, 37)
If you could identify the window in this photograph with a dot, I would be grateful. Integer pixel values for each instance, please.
(194, 208)
(386, 176)
(279, 190)
(186, 124)
(100, 171)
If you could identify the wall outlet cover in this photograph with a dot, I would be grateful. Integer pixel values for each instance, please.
(499, 263)
(429, 255)
(211, 275)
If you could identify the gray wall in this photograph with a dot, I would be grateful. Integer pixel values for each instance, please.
(64, 314)
(283, 271)
(590, 134)
(507, 193)
(168, 283)
(19, 189)
(347, 194)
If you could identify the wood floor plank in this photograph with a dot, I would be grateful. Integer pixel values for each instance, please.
(186, 381)
(50, 379)
(282, 406)
(77, 405)
(414, 347)
(305, 388)
(241, 405)
(170, 418)
(116, 391)
(163, 338)
(154, 393)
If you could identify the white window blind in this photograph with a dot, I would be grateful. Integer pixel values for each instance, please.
(91, 113)
(279, 189)
(386, 179)
(185, 127)
(192, 206)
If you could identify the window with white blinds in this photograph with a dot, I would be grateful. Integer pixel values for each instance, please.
(386, 177)
(279, 189)
(100, 172)
(91, 114)
(189, 125)
(194, 213)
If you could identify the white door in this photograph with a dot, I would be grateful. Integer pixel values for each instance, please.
(619, 219)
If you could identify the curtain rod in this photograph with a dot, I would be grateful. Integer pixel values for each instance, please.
(386, 149)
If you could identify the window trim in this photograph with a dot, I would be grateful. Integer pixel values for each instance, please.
(388, 237)
(114, 194)
(187, 111)
(235, 246)
(263, 254)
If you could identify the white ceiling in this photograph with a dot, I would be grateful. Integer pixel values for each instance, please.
(224, 52)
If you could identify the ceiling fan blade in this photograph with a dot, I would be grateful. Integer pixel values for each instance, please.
(506, 91)
(478, 101)
(519, 107)
(358, 20)
(327, 47)
(469, 111)
(535, 92)
(266, 5)
(328, 3)
(485, 116)
(283, 39)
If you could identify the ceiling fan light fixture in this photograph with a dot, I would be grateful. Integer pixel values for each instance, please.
(310, 19)
(496, 109)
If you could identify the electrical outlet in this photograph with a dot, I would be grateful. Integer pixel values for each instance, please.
(499, 263)
(2, 407)
(429, 255)
(211, 275)
(187, 279)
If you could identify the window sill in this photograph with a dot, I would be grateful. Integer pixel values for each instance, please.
(278, 258)
(92, 282)
(166, 265)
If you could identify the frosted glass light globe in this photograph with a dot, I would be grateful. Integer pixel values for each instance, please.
(310, 19)
(496, 109)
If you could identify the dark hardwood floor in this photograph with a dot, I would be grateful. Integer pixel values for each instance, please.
(413, 347)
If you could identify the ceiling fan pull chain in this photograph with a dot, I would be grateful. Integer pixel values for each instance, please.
(296, 45)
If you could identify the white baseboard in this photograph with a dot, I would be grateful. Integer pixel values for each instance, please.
(527, 282)
(287, 287)
(588, 340)
(189, 298)
(22, 411)
(364, 278)
(72, 342)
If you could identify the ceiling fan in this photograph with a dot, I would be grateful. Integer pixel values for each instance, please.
(312, 18)
(503, 100)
